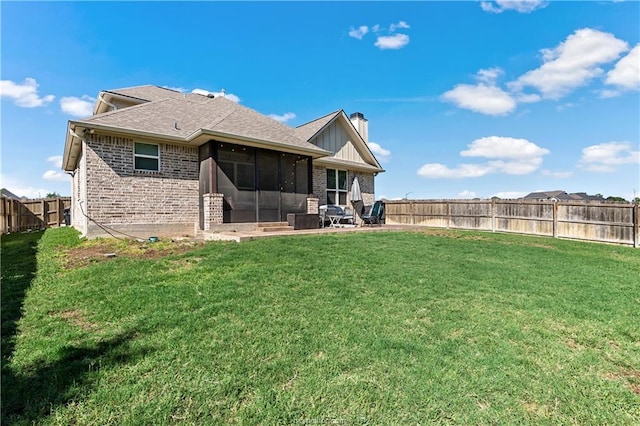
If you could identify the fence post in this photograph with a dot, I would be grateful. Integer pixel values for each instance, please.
(60, 211)
(448, 214)
(636, 225)
(411, 207)
(493, 214)
(555, 219)
(16, 212)
(45, 213)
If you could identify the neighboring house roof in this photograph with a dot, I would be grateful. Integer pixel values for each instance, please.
(562, 195)
(191, 119)
(546, 195)
(585, 197)
(8, 194)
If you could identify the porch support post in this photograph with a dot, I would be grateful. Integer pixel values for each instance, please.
(213, 214)
(312, 205)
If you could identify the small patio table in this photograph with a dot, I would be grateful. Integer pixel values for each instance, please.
(335, 220)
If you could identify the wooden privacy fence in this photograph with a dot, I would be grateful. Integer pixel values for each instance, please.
(603, 222)
(18, 215)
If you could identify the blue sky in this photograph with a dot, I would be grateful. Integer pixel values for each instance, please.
(464, 99)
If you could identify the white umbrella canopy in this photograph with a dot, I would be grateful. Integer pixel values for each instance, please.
(356, 196)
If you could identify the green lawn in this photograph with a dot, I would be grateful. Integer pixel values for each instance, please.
(359, 328)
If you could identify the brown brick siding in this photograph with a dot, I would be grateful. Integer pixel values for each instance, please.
(119, 195)
(366, 180)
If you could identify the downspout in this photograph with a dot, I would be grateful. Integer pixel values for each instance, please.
(79, 201)
(74, 134)
(101, 99)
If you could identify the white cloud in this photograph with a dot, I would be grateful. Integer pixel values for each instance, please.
(383, 155)
(609, 93)
(573, 63)
(485, 97)
(561, 175)
(78, 107)
(504, 147)
(375, 28)
(467, 194)
(21, 189)
(564, 106)
(604, 157)
(359, 32)
(56, 160)
(283, 118)
(522, 6)
(626, 73)
(56, 176)
(222, 93)
(489, 75)
(24, 94)
(437, 171)
(401, 24)
(396, 41)
(510, 156)
(482, 98)
(527, 98)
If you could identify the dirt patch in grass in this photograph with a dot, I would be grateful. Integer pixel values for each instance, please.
(632, 377)
(450, 233)
(76, 318)
(103, 250)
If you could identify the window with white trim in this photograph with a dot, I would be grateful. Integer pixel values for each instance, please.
(336, 187)
(146, 157)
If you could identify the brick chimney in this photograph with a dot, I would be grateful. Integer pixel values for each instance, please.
(361, 124)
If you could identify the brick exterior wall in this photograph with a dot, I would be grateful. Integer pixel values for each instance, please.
(213, 210)
(320, 184)
(117, 194)
(366, 180)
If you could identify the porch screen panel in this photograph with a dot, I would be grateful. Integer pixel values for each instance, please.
(236, 181)
(295, 183)
(268, 186)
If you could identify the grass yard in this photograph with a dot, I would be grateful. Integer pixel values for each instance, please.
(359, 328)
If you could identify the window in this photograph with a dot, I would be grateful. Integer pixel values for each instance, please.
(336, 187)
(146, 157)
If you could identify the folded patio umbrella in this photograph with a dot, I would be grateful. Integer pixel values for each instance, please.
(356, 197)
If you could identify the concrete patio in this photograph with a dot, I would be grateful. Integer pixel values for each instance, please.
(240, 236)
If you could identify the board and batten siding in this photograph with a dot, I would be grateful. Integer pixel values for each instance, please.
(335, 138)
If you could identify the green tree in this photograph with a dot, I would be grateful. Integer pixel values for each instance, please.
(612, 198)
(53, 195)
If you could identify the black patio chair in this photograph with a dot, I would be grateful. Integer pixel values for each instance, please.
(374, 217)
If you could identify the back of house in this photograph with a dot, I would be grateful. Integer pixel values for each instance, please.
(155, 161)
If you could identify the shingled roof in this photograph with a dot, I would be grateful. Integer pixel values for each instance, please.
(148, 93)
(191, 118)
(308, 130)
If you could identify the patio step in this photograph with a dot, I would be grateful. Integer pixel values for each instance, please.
(274, 227)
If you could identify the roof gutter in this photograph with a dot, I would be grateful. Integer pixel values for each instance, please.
(72, 146)
(341, 164)
(315, 153)
(101, 100)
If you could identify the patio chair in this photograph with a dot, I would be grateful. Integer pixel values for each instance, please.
(374, 217)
